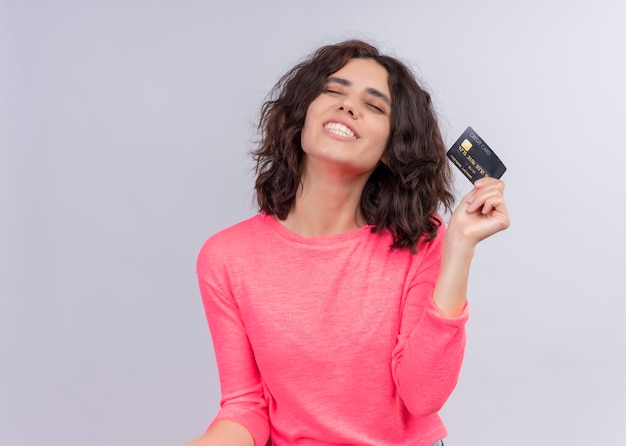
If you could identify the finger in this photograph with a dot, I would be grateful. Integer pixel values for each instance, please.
(491, 204)
(487, 181)
(482, 184)
(486, 195)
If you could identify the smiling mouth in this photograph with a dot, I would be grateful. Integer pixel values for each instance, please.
(340, 129)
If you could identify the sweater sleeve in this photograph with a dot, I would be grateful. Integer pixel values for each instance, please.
(427, 358)
(243, 398)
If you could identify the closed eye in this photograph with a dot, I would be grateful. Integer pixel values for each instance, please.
(376, 108)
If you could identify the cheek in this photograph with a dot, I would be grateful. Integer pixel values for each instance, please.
(384, 135)
(308, 129)
(384, 132)
(307, 123)
(305, 134)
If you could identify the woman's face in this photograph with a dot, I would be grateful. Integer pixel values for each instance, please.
(348, 124)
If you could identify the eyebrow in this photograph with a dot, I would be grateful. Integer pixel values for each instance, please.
(370, 90)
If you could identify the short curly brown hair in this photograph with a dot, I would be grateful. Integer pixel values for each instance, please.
(403, 194)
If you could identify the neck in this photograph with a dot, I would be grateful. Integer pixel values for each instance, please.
(327, 205)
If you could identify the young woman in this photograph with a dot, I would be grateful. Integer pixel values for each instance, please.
(338, 312)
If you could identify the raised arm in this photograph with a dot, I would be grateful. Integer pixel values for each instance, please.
(427, 361)
(480, 214)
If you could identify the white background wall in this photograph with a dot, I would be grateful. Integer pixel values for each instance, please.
(124, 132)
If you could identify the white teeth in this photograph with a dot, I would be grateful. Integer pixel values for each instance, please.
(339, 129)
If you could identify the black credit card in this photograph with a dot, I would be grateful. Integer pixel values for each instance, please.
(471, 154)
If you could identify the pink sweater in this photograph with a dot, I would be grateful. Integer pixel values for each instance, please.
(328, 340)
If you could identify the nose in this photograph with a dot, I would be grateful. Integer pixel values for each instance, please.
(348, 107)
(347, 110)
